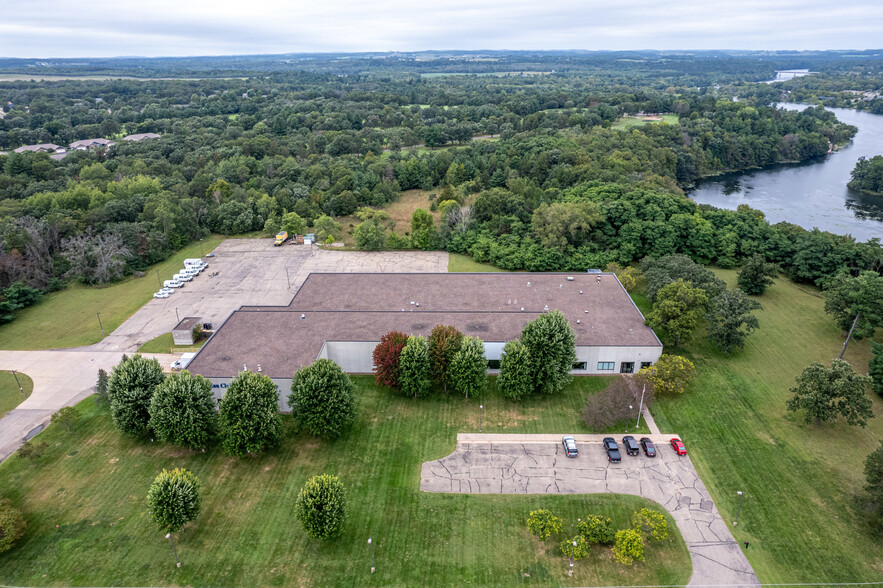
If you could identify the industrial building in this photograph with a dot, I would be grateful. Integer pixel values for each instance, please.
(341, 316)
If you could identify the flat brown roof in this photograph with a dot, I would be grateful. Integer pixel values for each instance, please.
(364, 306)
(187, 323)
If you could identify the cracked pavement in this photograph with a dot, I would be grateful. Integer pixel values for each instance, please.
(525, 464)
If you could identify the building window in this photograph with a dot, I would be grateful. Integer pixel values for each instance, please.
(581, 365)
(606, 365)
(645, 364)
(627, 367)
(493, 364)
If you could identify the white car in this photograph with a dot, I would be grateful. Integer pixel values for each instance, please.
(161, 294)
(173, 284)
(182, 277)
(167, 290)
(189, 271)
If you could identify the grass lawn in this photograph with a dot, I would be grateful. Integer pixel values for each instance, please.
(626, 122)
(799, 480)
(464, 263)
(92, 483)
(68, 318)
(10, 395)
(166, 344)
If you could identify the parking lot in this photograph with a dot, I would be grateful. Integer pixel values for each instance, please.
(254, 272)
(536, 464)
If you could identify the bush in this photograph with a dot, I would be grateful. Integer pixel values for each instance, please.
(321, 506)
(249, 416)
(542, 524)
(173, 499)
(580, 551)
(12, 525)
(597, 529)
(101, 387)
(628, 547)
(875, 367)
(66, 416)
(386, 358)
(414, 368)
(130, 388)
(516, 378)
(31, 450)
(669, 376)
(197, 333)
(182, 411)
(611, 405)
(322, 399)
(651, 524)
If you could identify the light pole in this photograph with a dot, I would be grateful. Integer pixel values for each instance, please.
(738, 510)
(571, 558)
(627, 424)
(640, 407)
(201, 252)
(20, 389)
(176, 314)
(480, 415)
(371, 546)
(158, 281)
(99, 323)
(175, 551)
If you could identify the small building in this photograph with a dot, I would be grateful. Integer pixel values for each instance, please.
(41, 148)
(182, 334)
(87, 144)
(141, 137)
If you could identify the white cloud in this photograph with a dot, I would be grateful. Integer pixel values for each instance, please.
(62, 28)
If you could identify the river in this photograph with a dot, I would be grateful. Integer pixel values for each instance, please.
(813, 193)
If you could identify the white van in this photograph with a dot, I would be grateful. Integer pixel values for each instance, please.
(189, 271)
(195, 262)
(172, 284)
(182, 277)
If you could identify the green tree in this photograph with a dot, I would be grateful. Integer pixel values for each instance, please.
(669, 376)
(847, 297)
(551, 346)
(875, 367)
(182, 411)
(130, 388)
(730, 320)
(671, 268)
(561, 224)
(444, 342)
(867, 175)
(597, 529)
(422, 230)
(101, 387)
(173, 499)
(325, 227)
(578, 551)
(321, 506)
(677, 310)
(249, 417)
(628, 547)
(12, 525)
(873, 489)
(756, 275)
(516, 378)
(468, 371)
(31, 451)
(828, 392)
(370, 236)
(322, 399)
(651, 524)
(293, 223)
(414, 367)
(66, 416)
(542, 524)
(628, 276)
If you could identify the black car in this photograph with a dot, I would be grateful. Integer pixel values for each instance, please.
(569, 444)
(649, 448)
(612, 449)
(631, 446)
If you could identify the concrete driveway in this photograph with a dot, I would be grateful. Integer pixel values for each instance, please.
(536, 464)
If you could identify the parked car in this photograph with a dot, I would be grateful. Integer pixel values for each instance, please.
(648, 447)
(206, 326)
(161, 295)
(612, 449)
(173, 284)
(182, 277)
(678, 446)
(569, 444)
(167, 290)
(631, 446)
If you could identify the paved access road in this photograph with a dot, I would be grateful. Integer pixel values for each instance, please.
(536, 464)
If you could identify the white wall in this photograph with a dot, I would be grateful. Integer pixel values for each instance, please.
(283, 386)
(593, 355)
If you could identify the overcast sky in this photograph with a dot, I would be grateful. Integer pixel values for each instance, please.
(102, 28)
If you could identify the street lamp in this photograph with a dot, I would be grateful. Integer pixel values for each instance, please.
(201, 252)
(738, 510)
(571, 558)
(99, 323)
(371, 545)
(176, 314)
(480, 415)
(175, 551)
(630, 416)
(20, 389)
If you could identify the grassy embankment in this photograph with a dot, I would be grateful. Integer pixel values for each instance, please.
(92, 483)
(10, 395)
(799, 480)
(68, 318)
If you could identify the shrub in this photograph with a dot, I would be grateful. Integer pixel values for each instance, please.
(628, 547)
(542, 524)
(12, 524)
(669, 376)
(66, 416)
(386, 358)
(579, 551)
(756, 275)
(321, 506)
(611, 405)
(249, 416)
(597, 529)
(414, 368)
(516, 378)
(173, 499)
(130, 388)
(875, 367)
(182, 411)
(651, 524)
(197, 332)
(101, 387)
(31, 450)
(322, 399)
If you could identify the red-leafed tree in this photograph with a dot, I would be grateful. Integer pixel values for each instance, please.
(444, 343)
(386, 358)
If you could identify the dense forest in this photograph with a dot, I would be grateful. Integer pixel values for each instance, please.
(558, 185)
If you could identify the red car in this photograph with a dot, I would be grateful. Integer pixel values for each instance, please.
(678, 446)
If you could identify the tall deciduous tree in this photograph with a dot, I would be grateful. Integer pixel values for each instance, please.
(249, 416)
(322, 399)
(516, 378)
(321, 506)
(730, 320)
(182, 411)
(677, 310)
(756, 275)
(469, 368)
(828, 392)
(130, 388)
(444, 342)
(875, 367)
(664, 270)
(414, 367)
(386, 358)
(174, 499)
(551, 345)
(847, 297)
(422, 229)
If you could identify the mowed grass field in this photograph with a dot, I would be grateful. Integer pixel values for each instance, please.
(92, 484)
(799, 480)
(10, 394)
(68, 318)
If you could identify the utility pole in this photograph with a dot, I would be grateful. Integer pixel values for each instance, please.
(849, 336)
(738, 510)
(20, 389)
(176, 314)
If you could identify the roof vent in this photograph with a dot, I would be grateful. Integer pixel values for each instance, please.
(586, 311)
(412, 303)
(260, 370)
(546, 307)
(577, 321)
(560, 285)
(418, 304)
(599, 280)
(303, 316)
(244, 368)
(569, 278)
(580, 291)
(522, 309)
(528, 284)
